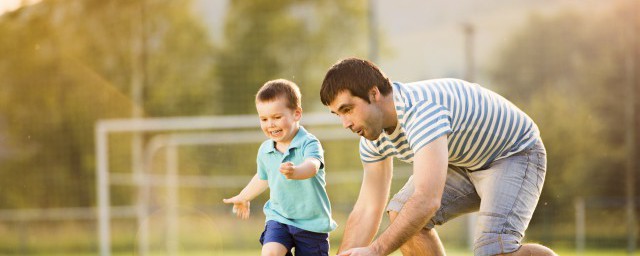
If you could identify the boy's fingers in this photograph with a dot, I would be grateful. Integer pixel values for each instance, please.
(231, 201)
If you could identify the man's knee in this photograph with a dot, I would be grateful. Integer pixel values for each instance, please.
(532, 249)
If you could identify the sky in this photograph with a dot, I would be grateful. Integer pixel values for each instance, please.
(424, 39)
(10, 5)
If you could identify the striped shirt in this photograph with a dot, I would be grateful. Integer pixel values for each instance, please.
(481, 126)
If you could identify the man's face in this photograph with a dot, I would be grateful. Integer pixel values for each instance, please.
(362, 118)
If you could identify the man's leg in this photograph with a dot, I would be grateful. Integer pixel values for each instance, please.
(510, 190)
(459, 197)
(532, 249)
(426, 242)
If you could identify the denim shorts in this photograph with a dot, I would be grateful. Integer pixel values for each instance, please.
(305, 242)
(505, 194)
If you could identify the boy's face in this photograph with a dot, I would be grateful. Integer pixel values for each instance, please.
(357, 115)
(278, 122)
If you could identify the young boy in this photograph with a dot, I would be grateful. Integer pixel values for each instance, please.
(291, 164)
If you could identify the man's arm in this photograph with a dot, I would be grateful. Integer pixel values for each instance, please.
(364, 220)
(429, 177)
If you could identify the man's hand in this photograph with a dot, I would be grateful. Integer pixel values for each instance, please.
(240, 206)
(288, 170)
(368, 251)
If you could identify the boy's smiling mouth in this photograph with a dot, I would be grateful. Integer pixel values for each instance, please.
(275, 133)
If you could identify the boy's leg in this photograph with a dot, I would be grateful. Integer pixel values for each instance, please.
(274, 249)
(276, 239)
(459, 197)
(309, 243)
(510, 190)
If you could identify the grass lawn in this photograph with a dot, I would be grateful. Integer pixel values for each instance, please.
(450, 252)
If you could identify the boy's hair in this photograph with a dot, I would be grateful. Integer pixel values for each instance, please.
(286, 89)
(355, 75)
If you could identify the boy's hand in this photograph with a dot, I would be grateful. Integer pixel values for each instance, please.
(288, 170)
(240, 206)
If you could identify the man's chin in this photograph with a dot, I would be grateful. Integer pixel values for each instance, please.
(369, 137)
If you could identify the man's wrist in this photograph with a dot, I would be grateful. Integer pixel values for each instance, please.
(376, 247)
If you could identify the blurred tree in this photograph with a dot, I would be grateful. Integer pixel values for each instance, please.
(66, 64)
(295, 40)
(567, 72)
(543, 60)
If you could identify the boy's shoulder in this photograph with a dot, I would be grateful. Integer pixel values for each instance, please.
(307, 137)
(265, 147)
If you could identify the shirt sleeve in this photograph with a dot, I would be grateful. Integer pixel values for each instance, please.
(426, 122)
(313, 149)
(369, 153)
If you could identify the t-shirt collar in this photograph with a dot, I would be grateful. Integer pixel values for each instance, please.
(296, 142)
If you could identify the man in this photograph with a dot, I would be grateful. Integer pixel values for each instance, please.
(471, 150)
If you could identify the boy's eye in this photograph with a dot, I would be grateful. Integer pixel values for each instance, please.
(263, 119)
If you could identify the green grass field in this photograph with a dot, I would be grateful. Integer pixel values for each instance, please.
(200, 236)
(450, 252)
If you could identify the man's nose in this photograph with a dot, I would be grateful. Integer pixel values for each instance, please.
(346, 123)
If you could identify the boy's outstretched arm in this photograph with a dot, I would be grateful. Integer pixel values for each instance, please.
(241, 202)
(306, 170)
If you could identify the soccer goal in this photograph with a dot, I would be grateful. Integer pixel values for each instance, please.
(165, 136)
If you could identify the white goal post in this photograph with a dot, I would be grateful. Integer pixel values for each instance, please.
(170, 140)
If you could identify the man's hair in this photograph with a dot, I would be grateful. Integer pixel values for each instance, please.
(280, 88)
(355, 75)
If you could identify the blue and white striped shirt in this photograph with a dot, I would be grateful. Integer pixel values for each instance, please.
(481, 125)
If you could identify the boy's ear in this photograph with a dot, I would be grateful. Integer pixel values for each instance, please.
(297, 114)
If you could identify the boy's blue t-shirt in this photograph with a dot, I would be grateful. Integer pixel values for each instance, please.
(301, 203)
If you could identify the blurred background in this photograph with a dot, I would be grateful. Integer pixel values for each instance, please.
(123, 123)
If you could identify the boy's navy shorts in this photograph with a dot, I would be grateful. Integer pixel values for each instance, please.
(305, 242)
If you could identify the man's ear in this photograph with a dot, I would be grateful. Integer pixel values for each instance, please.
(374, 94)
